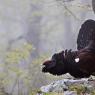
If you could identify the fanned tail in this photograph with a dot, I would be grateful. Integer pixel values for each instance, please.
(86, 34)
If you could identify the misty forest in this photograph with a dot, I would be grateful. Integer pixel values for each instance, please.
(31, 31)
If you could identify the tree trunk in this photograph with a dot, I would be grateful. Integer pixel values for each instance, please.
(93, 5)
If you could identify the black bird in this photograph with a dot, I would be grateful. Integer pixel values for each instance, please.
(80, 63)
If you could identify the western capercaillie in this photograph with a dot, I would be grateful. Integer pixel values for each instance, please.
(80, 63)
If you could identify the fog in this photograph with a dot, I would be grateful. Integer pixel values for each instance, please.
(49, 26)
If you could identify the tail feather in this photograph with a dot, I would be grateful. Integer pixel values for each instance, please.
(86, 34)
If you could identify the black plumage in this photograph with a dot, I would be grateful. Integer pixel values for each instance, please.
(86, 34)
(80, 63)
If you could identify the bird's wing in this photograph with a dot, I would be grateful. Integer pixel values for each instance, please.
(86, 34)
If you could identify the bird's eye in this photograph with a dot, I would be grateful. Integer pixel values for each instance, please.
(77, 60)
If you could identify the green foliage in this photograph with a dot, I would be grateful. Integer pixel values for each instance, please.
(49, 93)
(53, 93)
(32, 93)
(16, 55)
(11, 67)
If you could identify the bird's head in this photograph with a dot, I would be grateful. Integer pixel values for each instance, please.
(56, 65)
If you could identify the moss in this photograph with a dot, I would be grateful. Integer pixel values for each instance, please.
(78, 88)
(53, 93)
(34, 92)
(93, 93)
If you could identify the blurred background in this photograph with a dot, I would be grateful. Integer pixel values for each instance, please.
(30, 32)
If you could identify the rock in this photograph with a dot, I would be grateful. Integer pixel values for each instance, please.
(57, 86)
(70, 93)
(61, 85)
(65, 85)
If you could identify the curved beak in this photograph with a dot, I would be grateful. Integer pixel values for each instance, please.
(47, 65)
